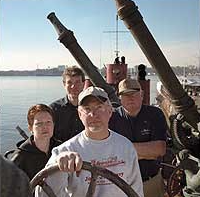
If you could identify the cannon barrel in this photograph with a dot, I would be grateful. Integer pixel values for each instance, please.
(129, 13)
(68, 39)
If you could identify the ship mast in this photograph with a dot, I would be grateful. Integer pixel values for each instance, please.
(117, 51)
(117, 37)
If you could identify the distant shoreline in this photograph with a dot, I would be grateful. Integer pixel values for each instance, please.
(178, 70)
(38, 72)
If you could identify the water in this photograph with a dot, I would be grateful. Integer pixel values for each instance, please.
(19, 93)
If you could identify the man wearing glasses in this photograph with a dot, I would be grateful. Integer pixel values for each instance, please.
(96, 144)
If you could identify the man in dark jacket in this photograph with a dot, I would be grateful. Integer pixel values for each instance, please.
(67, 122)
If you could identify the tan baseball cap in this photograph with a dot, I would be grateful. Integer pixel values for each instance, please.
(97, 92)
(128, 85)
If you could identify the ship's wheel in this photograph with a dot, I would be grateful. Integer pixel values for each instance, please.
(96, 171)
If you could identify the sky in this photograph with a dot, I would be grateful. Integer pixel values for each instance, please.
(29, 41)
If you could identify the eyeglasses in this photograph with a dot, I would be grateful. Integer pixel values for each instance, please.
(97, 109)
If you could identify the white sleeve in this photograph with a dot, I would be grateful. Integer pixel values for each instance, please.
(57, 181)
(135, 179)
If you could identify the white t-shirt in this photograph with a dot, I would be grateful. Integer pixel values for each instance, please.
(116, 153)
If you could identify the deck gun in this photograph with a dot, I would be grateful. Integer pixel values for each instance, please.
(68, 39)
(187, 131)
(185, 106)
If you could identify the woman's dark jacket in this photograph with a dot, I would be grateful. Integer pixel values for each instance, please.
(29, 158)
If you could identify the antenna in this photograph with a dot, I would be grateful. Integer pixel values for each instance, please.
(117, 51)
(116, 33)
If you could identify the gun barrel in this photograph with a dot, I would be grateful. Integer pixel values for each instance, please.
(68, 39)
(129, 13)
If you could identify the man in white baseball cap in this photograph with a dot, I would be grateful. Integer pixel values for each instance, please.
(96, 92)
(96, 144)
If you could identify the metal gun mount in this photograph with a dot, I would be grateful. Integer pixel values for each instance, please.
(184, 104)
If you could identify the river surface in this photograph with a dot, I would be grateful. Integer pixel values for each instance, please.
(19, 93)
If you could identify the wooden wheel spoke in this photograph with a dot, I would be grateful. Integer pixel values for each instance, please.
(92, 186)
(95, 172)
